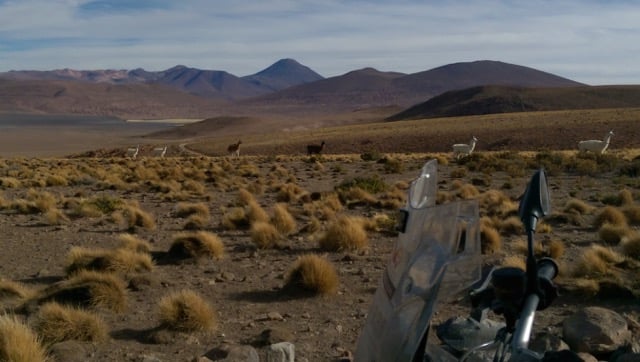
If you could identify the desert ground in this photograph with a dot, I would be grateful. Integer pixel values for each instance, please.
(64, 214)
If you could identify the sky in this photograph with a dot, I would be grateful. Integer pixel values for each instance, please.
(596, 42)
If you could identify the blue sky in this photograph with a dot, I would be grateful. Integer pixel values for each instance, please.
(590, 41)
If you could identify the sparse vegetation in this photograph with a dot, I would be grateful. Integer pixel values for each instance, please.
(314, 274)
(18, 343)
(57, 323)
(186, 311)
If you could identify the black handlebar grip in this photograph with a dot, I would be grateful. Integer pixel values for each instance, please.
(547, 268)
(547, 271)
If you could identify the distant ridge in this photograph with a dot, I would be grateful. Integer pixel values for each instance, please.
(504, 99)
(286, 88)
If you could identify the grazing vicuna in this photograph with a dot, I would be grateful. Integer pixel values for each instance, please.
(132, 152)
(315, 149)
(596, 146)
(234, 149)
(463, 149)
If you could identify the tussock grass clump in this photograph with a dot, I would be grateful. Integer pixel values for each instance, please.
(245, 197)
(121, 261)
(13, 294)
(597, 261)
(235, 218)
(134, 216)
(57, 323)
(186, 209)
(373, 184)
(497, 203)
(196, 245)
(314, 274)
(18, 343)
(510, 226)
(10, 182)
(356, 196)
(632, 213)
(514, 261)
(55, 217)
(611, 215)
(88, 289)
(134, 243)
(196, 222)
(264, 235)
(344, 233)
(578, 206)
(186, 311)
(631, 245)
(612, 234)
(256, 213)
(490, 240)
(282, 219)
(288, 192)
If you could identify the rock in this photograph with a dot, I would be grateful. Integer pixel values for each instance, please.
(233, 353)
(71, 351)
(275, 316)
(595, 330)
(545, 341)
(281, 352)
(275, 336)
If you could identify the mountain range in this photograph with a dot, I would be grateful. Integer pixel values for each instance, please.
(285, 87)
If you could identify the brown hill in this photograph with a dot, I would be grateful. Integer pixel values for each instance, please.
(124, 101)
(501, 99)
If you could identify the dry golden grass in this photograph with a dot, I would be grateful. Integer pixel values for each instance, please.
(88, 289)
(344, 233)
(13, 294)
(596, 262)
(264, 235)
(57, 323)
(196, 245)
(196, 222)
(134, 243)
(245, 197)
(121, 261)
(282, 219)
(133, 216)
(186, 209)
(611, 215)
(578, 206)
(256, 213)
(18, 343)
(235, 218)
(186, 311)
(312, 273)
(495, 202)
(514, 261)
(490, 239)
(626, 197)
(356, 195)
(510, 226)
(631, 245)
(289, 192)
(632, 213)
(612, 234)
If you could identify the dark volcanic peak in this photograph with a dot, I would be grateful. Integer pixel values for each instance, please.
(482, 72)
(505, 99)
(283, 74)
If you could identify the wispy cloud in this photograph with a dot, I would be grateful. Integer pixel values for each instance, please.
(589, 41)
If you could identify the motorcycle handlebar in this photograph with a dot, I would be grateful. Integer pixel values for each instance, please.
(547, 268)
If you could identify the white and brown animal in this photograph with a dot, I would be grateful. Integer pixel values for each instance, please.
(315, 149)
(464, 149)
(132, 152)
(160, 151)
(596, 146)
(234, 149)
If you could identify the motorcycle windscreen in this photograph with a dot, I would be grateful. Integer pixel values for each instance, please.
(436, 240)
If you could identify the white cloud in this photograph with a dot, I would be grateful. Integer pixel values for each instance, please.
(589, 41)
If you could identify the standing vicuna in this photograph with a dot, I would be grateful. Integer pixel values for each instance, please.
(133, 152)
(315, 149)
(234, 149)
(596, 146)
(160, 151)
(463, 149)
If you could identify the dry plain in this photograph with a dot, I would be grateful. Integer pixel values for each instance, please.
(51, 205)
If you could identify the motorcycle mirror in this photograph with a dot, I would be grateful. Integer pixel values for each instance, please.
(535, 201)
